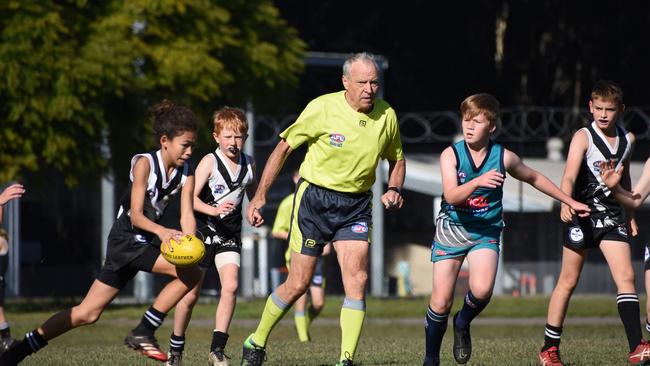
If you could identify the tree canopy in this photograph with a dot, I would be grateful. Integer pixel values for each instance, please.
(72, 71)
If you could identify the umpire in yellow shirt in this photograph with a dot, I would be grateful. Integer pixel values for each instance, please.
(347, 133)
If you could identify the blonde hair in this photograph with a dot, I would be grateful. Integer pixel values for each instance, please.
(607, 90)
(230, 118)
(481, 103)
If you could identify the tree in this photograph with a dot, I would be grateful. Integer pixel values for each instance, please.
(74, 69)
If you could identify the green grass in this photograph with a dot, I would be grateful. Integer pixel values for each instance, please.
(396, 340)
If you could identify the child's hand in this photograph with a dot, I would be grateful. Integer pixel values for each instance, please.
(609, 174)
(15, 190)
(566, 213)
(224, 209)
(167, 234)
(580, 208)
(491, 179)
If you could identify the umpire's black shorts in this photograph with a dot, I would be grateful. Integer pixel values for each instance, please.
(320, 215)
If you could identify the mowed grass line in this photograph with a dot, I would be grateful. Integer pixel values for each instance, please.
(396, 342)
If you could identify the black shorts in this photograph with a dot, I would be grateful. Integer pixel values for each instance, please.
(119, 278)
(216, 243)
(588, 232)
(321, 215)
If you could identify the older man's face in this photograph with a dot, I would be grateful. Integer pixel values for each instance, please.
(361, 86)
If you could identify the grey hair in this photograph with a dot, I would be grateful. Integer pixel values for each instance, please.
(361, 56)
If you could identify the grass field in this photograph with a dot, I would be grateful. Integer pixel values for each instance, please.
(509, 332)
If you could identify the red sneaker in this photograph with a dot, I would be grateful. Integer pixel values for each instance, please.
(147, 345)
(550, 357)
(640, 355)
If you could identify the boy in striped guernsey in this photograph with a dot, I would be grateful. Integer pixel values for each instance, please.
(603, 141)
(470, 222)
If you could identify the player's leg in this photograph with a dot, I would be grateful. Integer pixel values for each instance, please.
(5, 332)
(300, 318)
(572, 263)
(142, 338)
(182, 316)
(227, 264)
(618, 257)
(88, 311)
(444, 275)
(483, 261)
(317, 294)
(647, 287)
(353, 260)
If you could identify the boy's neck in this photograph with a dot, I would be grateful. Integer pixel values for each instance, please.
(479, 145)
(610, 132)
(235, 160)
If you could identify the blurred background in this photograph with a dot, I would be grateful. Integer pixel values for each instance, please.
(77, 79)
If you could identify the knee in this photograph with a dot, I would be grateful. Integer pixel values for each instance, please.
(317, 306)
(189, 300)
(82, 316)
(440, 305)
(229, 288)
(567, 283)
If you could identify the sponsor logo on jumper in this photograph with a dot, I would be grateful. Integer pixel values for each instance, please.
(362, 123)
(219, 188)
(360, 227)
(462, 176)
(493, 241)
(474, 205)
(336, 139)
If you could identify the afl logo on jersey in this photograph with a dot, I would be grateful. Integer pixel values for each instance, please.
(575, 234)
(462, 176)
(336, 139)
(360, 227)
(219, 188)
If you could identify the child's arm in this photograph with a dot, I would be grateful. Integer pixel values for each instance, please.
(520, 171)
(630, 199)
(138, 192)
(577, 151)
(202, 174)
(15, 190)
(458, 194)
(188, 221)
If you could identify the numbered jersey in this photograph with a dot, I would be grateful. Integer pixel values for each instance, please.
(226, 185)
(125, 241)
(589, 187)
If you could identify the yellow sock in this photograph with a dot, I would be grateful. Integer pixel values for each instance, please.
(273, 312)
(302, 326)
(352, 314)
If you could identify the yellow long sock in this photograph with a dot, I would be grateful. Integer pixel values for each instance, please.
(302, 326)
(353, 313)
(273, 312)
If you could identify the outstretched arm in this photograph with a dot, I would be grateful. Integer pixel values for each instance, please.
(522, 172)
(271, 170)
(630, 199)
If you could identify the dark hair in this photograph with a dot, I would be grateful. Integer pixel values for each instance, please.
(171, 120)
(607, 90)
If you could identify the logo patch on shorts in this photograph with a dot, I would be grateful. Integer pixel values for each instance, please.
(575, 234)
(310, 243)
(439, 252)
(622, 230)
(360, 227)
(646, 254)
(493, 241)
(336, 139)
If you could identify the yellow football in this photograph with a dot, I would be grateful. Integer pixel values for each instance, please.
(187, 251)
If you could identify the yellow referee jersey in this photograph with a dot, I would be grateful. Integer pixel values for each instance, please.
(344, 146)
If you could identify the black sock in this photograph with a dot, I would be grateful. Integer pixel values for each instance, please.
(435, 327)
(628, 310)
(151, 321)
(177, 343)
(219, 339)
(551, 337)
(471, 308)
(647, 326)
